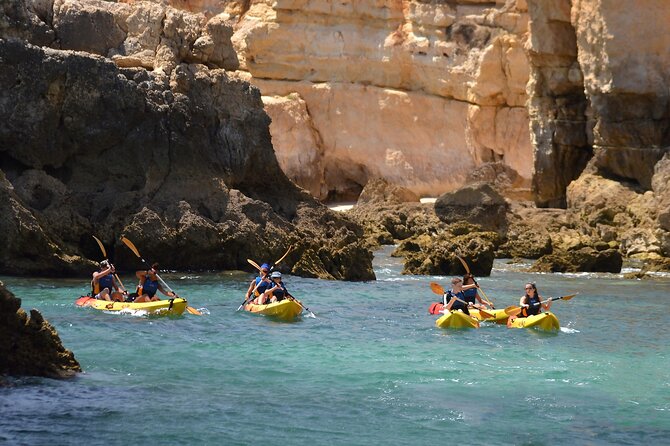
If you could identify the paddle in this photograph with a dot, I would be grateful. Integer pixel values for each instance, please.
(515, 310)
(437, 289)
(467, 270)
(251, 295)
(255, 265)
(135, 251)
(299, 303)
(104, 254)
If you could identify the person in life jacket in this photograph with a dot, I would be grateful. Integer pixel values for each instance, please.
(103, 283)
(454, 299)
(531, 302)
(259, 283)
(471, 295)
(278, 292)
(149, 285)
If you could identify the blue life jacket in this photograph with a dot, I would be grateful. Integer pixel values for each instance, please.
(534, 308)
(262, 286)
(458, 305)
(470, 295)
(106, 282)
(280, 293)
(149, 287)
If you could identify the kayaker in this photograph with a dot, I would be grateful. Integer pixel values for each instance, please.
(103, 282)
(471, 294)
(149, 285)
(454, 299)
(278, 292)
(261, 281)
(531, 302)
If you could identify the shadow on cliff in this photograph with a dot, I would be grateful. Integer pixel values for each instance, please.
(182, 165)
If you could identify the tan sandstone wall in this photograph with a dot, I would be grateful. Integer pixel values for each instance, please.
(419, 93)
(427, 94)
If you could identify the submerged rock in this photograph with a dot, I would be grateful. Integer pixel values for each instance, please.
(30, 346)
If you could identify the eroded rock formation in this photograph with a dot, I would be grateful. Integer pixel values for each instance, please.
(416, 92)
(564, 96)
(177, 158)
(29, 345)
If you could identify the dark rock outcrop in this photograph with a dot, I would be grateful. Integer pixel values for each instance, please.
(379, 190)
(585, 259)
(439, 254)
(181, 165)
(478, 204)
(30, 346)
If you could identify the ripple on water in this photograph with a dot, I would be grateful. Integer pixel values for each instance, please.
(371, 368)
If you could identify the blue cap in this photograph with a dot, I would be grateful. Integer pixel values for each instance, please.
(265, 266)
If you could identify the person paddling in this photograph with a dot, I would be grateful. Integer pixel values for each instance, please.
(150, 285)
(103, 283)
(531, 302)
(454, 299)
(278, 292)
(259, 283)
(471, 294)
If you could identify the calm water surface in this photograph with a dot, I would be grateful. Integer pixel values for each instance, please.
(371, 369)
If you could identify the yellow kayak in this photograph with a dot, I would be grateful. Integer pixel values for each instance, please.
(457, 319)
(286, 309)
(499, 316)
(544, 321)
(163, 307)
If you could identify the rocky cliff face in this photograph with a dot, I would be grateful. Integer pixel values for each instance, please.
(434, 95)
(177, 158)
(424, 93)
(418, 93)
(430, 95)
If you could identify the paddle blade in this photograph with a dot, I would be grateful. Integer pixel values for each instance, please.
(130, 246)
(285, 254)
(486, 315)
(102, 248)
(254, 264)
(193, 311)
(437, 288)
(513, 310)
(465, 265)
(568, 297)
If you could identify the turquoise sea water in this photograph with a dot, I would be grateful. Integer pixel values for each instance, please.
(371, 369)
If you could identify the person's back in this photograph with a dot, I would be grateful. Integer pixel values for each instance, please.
(454, 299)
(470, 296)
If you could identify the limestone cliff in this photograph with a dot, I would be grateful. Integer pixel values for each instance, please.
(423, 92)
(417, 92)
(427, 94)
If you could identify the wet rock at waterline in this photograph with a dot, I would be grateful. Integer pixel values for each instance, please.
(29, 345)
